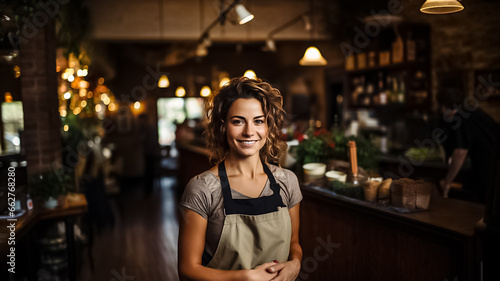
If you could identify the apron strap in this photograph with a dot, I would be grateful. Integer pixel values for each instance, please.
(250, 206)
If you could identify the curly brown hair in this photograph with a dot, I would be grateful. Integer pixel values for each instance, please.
(217, 107)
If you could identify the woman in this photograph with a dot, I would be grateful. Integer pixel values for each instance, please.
(240, 219)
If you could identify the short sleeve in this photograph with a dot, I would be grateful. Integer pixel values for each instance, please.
(196, 197)
(295, 195)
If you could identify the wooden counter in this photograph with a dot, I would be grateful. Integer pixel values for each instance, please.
(368, 242)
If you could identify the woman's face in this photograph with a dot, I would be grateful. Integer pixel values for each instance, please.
(246, 127)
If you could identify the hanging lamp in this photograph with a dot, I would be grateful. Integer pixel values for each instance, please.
(312, 56)
(250, 74)
(180, 92)
(441, 7)
(205, 91)
(163, 82)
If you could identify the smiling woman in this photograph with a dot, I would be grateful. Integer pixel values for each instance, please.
(241, 218)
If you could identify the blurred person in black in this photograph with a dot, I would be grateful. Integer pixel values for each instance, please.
(468, 131)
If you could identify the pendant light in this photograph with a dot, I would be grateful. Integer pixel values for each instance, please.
(223, 82)
(250, 74)
(441, 7)
(205, 91)
(312, 56)
(163, 82)
(180, 92)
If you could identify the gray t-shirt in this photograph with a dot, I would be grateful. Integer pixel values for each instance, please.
(203, 195)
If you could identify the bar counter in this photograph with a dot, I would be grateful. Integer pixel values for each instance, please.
(369, 242)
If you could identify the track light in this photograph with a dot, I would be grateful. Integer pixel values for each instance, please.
(244, 15)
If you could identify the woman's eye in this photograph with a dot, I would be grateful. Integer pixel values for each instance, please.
(237, 122)
(259, 121)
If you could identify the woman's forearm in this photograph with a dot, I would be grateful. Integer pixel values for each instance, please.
(295, 252)
(202, 273)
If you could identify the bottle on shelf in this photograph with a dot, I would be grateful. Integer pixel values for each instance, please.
(394, 92)
(401, 91)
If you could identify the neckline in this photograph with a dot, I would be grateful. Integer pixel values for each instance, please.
(267, 184)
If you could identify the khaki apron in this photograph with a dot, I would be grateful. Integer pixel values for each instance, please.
(255, 231)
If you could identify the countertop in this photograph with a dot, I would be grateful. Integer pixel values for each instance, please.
(446, 215)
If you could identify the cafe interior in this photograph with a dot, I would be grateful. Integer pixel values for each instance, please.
(102, 122)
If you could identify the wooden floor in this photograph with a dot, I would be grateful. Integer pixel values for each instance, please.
(142, 244)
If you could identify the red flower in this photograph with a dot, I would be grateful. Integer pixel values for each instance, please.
(300, 137)
(320, 132)
(332, 145)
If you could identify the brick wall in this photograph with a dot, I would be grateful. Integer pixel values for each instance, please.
(42, 123)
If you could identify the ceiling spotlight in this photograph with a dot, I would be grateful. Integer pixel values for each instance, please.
(271, 45)
(307, 22)
(201, 50)
(244, 15)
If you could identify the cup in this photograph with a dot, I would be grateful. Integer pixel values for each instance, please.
(336, 176)
(313, 171)
(370, 189)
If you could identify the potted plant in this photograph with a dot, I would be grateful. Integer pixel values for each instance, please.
(322, 146)
(49, 185)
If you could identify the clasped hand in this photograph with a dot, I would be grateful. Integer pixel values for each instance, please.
(274, 271)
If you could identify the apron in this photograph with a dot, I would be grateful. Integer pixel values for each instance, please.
(255, 231)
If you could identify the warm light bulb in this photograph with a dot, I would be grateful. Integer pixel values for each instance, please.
(163, 82)
(312, 56)
(98, 108)
(67, 95)
(250, 74)
(63, 113)
(205, 91)
(66, 128)
(180, 92)
(112, 106)
(83, 103)
(71, 78)
(223, 82)
(137, 105)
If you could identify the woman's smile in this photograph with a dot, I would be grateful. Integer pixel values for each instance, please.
(246, 127)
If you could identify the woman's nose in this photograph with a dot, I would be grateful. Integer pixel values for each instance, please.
(249, 130)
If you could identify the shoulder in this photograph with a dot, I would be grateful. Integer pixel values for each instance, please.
(283, 175)
(206, 182)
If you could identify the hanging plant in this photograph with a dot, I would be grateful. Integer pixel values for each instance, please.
(71, 18)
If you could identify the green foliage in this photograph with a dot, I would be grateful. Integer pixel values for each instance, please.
(72, 20)
(50, 183)
(322, 146)
(349, 191)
